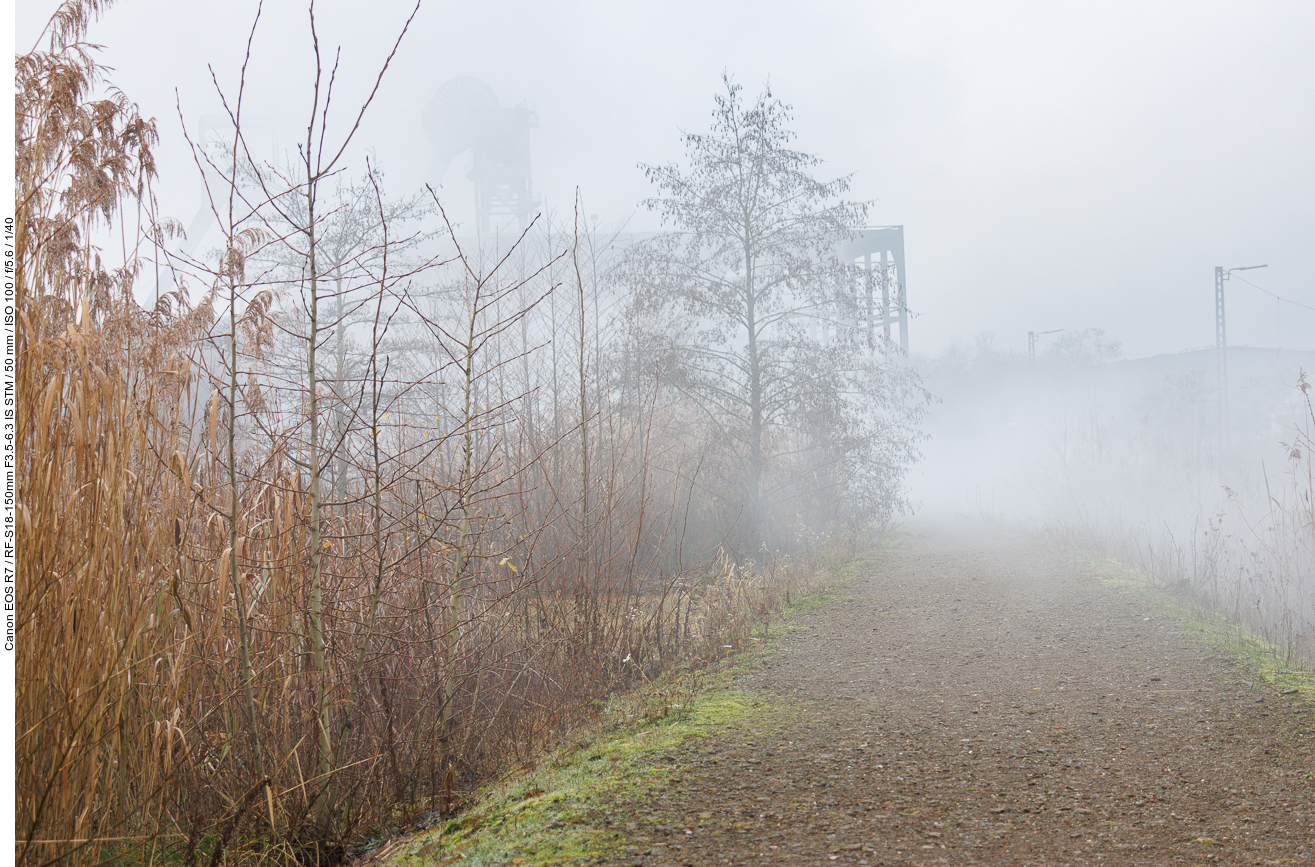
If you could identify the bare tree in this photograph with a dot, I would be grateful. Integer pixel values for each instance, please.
(467, 340)
(309, 547)
(357, 228)
(727, 295)
(297, 203)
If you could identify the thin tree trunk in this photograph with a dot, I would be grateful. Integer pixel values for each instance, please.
(461, 551)
(324, 806)
(244, 635)
(584, 401)
(753, 482)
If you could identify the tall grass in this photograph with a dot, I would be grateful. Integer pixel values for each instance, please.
(1235, 532)
(1254, 559)
(223, 658)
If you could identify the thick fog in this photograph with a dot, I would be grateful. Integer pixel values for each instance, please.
(1070, 166)
(429, 475)
(1076, 172)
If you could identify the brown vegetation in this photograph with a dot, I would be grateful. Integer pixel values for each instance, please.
(321, 547)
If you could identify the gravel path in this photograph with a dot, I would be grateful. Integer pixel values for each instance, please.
(985, 700)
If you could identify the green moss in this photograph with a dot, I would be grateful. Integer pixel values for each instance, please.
(808, 604)
(559, 814)
(555, 814)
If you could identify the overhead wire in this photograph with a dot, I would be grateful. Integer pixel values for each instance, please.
(1272, 295)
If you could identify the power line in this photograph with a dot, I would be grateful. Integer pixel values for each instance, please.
(1272, 295)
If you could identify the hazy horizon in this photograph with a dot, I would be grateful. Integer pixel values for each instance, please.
(1053, 168)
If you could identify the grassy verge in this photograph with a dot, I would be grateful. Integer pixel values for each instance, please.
(561, 812)
(1262, 659)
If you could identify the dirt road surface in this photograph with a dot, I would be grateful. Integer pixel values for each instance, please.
(988, 700)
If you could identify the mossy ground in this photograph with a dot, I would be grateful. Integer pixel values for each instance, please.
(560, 813)
(565, 811)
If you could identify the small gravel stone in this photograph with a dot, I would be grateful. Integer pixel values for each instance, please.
(996, 762)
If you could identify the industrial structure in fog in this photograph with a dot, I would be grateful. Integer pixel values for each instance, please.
(466, 115)
(877, 256)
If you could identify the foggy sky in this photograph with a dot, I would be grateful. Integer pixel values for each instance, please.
(1053, 166)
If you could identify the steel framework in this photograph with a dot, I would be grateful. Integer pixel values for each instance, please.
(876, 254)
(1221, 355)
(1221, 350)
(464, 114)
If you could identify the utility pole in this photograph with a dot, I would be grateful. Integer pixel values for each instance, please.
(1031, 344)
(1221, 357)
(1221, 351)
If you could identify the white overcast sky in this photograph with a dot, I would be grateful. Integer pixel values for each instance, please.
(1055, 165)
